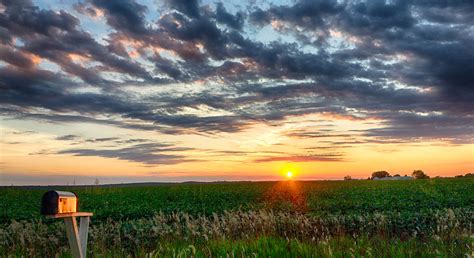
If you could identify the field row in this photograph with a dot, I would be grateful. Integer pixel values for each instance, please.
(318, 198)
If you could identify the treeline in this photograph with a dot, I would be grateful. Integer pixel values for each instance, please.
(466, 175)
(416, 174)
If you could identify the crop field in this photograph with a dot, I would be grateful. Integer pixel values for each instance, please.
(318, 218)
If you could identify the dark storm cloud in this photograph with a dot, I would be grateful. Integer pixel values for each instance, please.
(28, 87)
(124, 15)
(82, 44)
(117, 48)
(445, 49)
(166, 66)
(303, 13)
(187, 7)
(373, 16)
(16, 58)
(440, 57)
(146, 153)
(54, 36)
(211, 124)
(234, 21)
(202, 30)
(24, 19)
(41, 88)
(405, 63)
(64, 119)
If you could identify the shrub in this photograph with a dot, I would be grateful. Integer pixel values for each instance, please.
(380, 174)
(419, 174)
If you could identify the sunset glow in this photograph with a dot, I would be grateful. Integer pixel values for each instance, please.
(135, 91)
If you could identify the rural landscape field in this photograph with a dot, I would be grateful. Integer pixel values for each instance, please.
(236, 128)
(413, 218)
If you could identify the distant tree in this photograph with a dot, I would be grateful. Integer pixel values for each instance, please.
(347, 178)
(419, 174)
(380, 174)
(466, 175)
(396, 175)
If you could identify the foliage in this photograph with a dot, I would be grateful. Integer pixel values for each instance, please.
(466, 175)
(419, 174)
(380, 174)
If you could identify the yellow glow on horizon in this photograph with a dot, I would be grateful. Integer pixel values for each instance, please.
(289, 170)
(37, 152)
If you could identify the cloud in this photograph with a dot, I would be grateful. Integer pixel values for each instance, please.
(234, 21)
(125, 15)
(425, 126)
(302, 158)
(56, 35)
(103, 139)
(318, 134)
(16, 58)
(67, 137)
(188, 7)
(406, 64)
(146, 153)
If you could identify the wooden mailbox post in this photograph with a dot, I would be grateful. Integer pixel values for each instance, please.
(63, 205)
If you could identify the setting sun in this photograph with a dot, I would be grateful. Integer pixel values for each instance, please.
(289, 174)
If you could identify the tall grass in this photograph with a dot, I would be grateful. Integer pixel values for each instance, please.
(444, 231)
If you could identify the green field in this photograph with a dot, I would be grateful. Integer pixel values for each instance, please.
(321, 218)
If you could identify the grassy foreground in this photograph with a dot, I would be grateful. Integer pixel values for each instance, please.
(340, 219)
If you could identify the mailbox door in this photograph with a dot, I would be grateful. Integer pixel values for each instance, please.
(67, 204)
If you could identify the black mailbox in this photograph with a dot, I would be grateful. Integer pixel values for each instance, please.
(58, 202)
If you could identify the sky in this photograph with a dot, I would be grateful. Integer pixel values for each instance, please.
(181, 90)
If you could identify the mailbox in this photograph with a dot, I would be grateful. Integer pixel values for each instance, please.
(63, 205)
(58, 202)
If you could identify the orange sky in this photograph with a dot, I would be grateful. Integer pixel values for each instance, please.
(246, 155)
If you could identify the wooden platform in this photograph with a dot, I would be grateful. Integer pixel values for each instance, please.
(72, 214)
